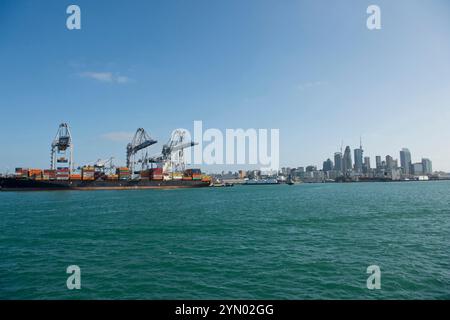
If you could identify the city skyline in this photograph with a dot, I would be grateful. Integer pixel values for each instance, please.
(309, 68)
(339, 159)
(388, 160)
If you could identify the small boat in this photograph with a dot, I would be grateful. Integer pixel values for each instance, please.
(221, 185)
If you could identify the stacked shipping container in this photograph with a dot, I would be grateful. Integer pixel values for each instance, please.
(75, 176)
(152, 174)
(21, 173)
(156, 174)
(196, 174)
(35, 173)
(123, 173)
(62, 173)
(49, 174)
(88, 173)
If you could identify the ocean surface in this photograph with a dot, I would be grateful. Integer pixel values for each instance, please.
(310, 241)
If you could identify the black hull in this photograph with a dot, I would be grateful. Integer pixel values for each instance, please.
(12, 184)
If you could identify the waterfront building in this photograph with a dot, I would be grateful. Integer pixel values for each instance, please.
(417, 168)
(405, 161)
(293, 172)
(318, 176)
(254, 174)
(378, 162)
(300, 172)
(396, 164)
(347, 161)
(311, 168)
(366, 165)
(427, 166)
(333, 174)
(358, 159)
(390, 163)
(395, 174)
(309, 174)
(367, 162)
(338, 161)
(327, 165)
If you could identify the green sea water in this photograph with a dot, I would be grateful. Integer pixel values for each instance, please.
(312, 241)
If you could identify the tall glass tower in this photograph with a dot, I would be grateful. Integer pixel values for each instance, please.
(347, 161)
(359, 158)
(405, 161)
(338, 161)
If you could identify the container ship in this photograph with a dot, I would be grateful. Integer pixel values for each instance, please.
(142, 172)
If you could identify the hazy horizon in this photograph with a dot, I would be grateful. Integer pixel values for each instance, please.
(311, 69)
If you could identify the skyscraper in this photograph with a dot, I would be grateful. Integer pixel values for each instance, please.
(378, 162)
(405, 161)
(358, 158)
(367, 162)
(366, 165)
(427, 166)
(347, 160)
(338, 161)
(327, 165)
(417, 168)
(390, 163)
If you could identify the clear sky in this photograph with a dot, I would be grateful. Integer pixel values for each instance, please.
(310, 68)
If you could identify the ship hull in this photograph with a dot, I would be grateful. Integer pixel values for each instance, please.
(12, 184)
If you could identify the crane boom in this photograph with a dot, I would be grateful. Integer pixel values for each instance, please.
(141, 140)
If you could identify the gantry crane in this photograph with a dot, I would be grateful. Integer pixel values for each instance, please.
(172, 155)
(106, 166)
(141, 140)
(62, 148)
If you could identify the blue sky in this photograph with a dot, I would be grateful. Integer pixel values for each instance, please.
(310, 68)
